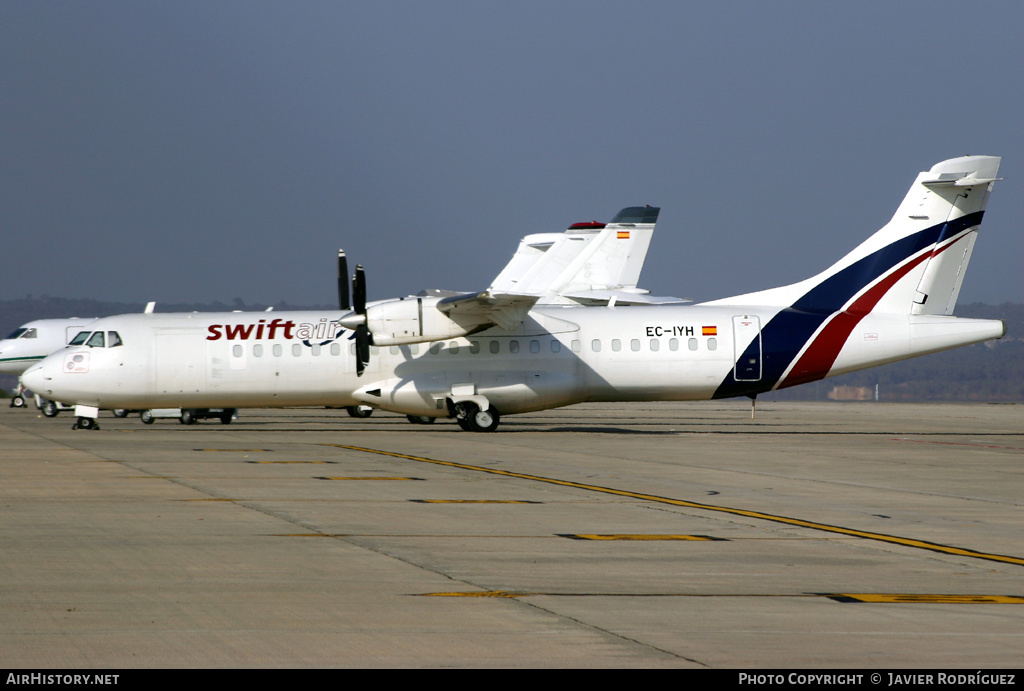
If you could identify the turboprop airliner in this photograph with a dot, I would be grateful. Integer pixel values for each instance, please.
(477, 357)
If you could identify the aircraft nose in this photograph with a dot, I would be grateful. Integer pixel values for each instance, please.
(38, 378)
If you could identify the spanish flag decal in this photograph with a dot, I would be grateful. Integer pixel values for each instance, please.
(622, 235)
(709, 331)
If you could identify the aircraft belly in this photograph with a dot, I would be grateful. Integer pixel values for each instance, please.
(509, 390)
(664, 380)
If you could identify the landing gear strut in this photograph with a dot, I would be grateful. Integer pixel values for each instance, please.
(18, 399)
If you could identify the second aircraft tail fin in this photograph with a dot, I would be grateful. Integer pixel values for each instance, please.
(588, 263)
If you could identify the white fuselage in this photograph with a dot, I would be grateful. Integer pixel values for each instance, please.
(558, 356)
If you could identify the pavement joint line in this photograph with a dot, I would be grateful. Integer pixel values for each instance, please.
(797, 522)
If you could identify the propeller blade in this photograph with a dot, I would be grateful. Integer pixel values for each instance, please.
(359, 290)
(343, 300)
(362, 349)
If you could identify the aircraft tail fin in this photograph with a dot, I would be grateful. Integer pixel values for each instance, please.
(915, 264)
(902, 282)
(588, 263)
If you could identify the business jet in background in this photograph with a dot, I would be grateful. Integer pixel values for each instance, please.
(31, 342)
(479, 356)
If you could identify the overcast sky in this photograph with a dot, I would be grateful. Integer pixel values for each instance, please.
(199, 151)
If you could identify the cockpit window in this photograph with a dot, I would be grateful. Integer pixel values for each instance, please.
(80, 338)
(30, 333)
(15, 334)
(113, 339)
(96, 340)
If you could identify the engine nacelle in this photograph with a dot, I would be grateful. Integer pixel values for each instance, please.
(415, 320)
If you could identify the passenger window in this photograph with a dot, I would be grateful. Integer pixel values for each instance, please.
(296, 349)
(315, 349)
(277, 350)
(692, 344)
(616, 345)
(634, 345)
(673, 344)
(655, 345)
(96, 340)
(335, 349)
(712, 344)
(236, 350)
(534, 346)
(556, 347)
(595, 345)
(414, 349)
(113, 339)
(474, 347)
(576, 345)
(394, 350)
(435, 348)
(453, 347)
(257, 350)
(513, 346)
(495, 346)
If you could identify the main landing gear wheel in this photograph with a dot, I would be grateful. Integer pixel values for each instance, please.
(188, 417)
(120, 412)
(86, 423)
(359, 411)
(50, 409)
(473, 419)
(147, 417)
(420, 419)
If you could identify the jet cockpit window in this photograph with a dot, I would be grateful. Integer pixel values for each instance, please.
(16, 334)
(96, 340)
(80, 338)
(30, 333)
(113, 339)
